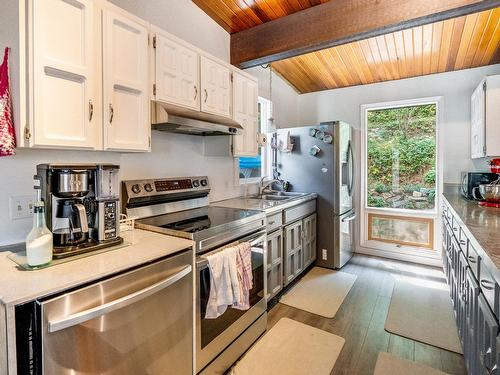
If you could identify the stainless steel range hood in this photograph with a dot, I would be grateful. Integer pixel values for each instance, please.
(192, 122)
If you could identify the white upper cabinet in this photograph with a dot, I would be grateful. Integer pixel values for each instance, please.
(215, 87)
(126, 109)
(245, 112)
(177, 73)
(64, 96)
(485, 118)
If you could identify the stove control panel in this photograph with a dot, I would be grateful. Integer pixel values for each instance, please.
(164, 186)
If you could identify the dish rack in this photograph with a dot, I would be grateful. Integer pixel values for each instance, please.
(127, 224)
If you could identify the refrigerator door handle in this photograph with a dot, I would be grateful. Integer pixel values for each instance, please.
(349, 218)
(351, 168)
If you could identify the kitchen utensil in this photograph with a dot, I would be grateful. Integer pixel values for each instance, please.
(488, 192)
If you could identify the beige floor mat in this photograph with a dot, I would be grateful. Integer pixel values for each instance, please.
(321, 291)
(424, 314)
(291, 348)
(389, 364)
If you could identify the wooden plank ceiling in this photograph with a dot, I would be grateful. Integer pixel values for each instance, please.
(458, 43)
(238, 15)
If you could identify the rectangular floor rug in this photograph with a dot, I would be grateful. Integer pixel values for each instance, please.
(321, 291)
(423, 314)
(291, 348)
(389, 364)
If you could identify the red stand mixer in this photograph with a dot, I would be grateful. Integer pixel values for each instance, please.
(489, 194)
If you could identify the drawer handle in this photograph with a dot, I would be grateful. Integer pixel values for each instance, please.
(272, 222)
(486, 284)
(471, 259)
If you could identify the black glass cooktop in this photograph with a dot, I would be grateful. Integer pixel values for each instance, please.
(198, 219)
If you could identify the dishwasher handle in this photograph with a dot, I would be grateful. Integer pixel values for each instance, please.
(83, 316)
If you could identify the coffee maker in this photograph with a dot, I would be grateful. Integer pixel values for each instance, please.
(82, 206)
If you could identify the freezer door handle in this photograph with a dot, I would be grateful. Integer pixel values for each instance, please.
(83, 316)
(349, 218)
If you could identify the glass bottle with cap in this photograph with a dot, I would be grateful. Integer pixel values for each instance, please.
(39, 243)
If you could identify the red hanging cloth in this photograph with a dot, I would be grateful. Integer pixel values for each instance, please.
(7, 131)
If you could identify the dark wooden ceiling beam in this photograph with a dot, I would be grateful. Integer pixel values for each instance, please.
(338, 22)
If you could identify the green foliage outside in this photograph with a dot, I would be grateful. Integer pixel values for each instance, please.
(402, 157)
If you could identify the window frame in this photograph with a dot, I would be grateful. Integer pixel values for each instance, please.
(265, 151)
(398, 251)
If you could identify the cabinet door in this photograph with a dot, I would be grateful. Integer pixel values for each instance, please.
(478, 118)
(309, 242)
(292, 252)
(177, 74)
(215, 88)
(245, 112)
(65, 74)
(127, 123)
(274, 263)
(487, 331)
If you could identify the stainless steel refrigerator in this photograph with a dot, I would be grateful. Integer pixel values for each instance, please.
(321, 161)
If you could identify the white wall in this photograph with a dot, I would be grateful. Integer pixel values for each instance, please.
(455, 88)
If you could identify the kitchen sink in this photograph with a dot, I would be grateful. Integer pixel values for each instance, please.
(290, 194)
(272, 197)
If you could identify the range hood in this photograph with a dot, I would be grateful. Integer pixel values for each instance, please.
(192, 122)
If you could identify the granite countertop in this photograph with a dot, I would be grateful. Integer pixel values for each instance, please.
(18, 286)
(483, 223)
(268, 206)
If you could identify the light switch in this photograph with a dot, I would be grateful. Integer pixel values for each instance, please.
(21, 207)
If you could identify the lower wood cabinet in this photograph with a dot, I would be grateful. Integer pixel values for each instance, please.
(274, 263)
(474, 293)
(309, 240)
(293, 251)
(299, 247)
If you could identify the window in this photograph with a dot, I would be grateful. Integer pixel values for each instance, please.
(256, 167)
(401, 157)
(400, 176)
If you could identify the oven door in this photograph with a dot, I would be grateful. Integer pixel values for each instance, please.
(214, 335)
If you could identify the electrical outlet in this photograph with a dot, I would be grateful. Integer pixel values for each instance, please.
(21, 207)
(324, 255)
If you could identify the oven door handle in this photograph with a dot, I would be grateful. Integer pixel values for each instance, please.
(83, 316)
(254, 239)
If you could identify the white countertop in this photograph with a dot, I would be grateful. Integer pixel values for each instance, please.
(18, 286)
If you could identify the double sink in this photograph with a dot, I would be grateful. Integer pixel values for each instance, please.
(280, 195)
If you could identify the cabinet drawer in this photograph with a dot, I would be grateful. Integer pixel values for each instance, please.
(455, 227)
(274, 222)
(463, 240)
(300, 211)
(473, 259)
(489, 287)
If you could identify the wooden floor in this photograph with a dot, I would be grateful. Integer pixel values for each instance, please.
(361, 318)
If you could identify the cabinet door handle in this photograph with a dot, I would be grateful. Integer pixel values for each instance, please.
(111, 113)
(486, 284)
(195, 92)
(91, 110)
(206, 95)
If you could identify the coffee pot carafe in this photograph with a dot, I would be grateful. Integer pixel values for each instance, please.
(70, 226)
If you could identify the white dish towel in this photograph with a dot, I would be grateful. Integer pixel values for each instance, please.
(224, 284)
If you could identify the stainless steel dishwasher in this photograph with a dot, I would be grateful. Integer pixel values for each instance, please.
(139, 322)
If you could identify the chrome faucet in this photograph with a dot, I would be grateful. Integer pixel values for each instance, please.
(266, 185)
